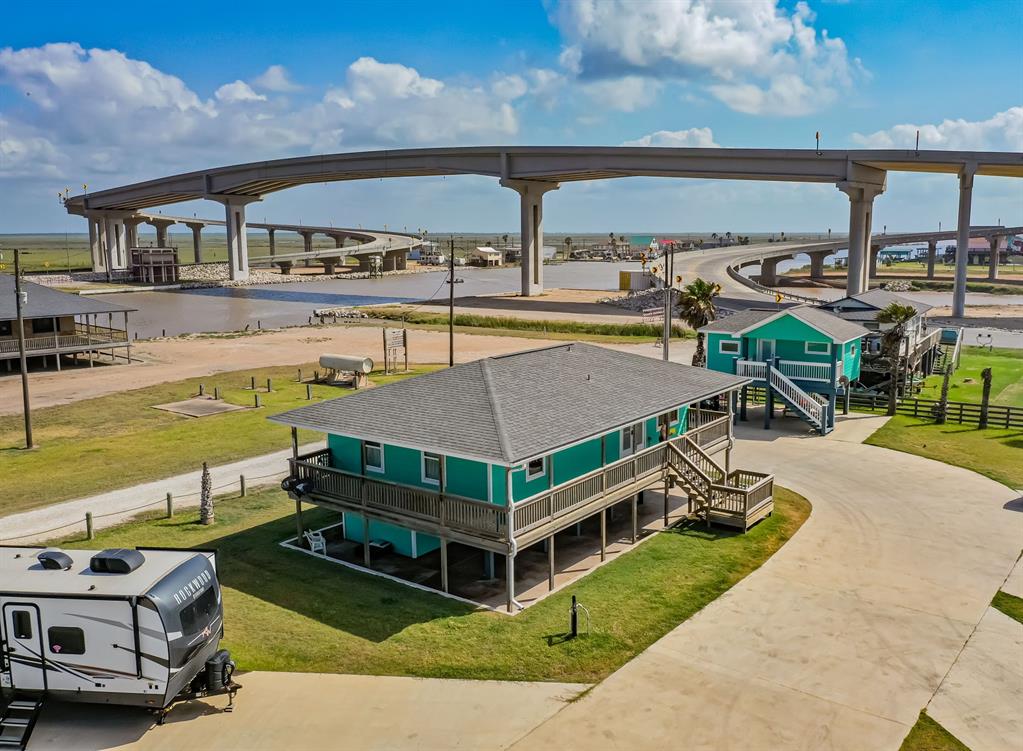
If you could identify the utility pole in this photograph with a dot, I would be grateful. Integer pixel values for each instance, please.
(451, 302)
(18, 302)
(669, 264)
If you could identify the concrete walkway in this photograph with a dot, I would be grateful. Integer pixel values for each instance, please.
(117, 506)
(842, 637)
(981, 699)
(324, 712)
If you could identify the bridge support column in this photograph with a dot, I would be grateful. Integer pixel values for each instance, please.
(992, 261)
(817, 264)
(99, 261)
(769, 272)
(237, 238)
(161, 231)
(932, 255)
(963, 240)
(131, 227)
(114, 242)
(861, 207)
(531, 222)
(196, 241)
(339, 241)
(273, 246)
(307, 246)
(875, 251)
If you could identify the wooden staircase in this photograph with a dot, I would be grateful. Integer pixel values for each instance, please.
(738, 499)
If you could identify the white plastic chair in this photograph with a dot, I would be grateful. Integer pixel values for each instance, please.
(316, 542)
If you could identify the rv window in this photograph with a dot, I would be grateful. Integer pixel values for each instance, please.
(66, 640)
(22, 624)
(196, 615)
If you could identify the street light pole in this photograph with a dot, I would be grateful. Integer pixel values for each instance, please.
(21, 349)
(451, 302)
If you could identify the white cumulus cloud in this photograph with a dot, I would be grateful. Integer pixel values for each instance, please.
(756, 56)
(689, 138)
(238, 91)
(625, 94)
(275, 78)
(1000, 132)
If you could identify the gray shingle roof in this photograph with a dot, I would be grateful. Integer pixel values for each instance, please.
(511, 408)
(44, 302)
(829, 323)
(882, 298)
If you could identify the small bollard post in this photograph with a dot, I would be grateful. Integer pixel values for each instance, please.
(259, 325)
(269, 385)
(163, 332)
(252, 382)
(258, 402)
(316, 375)
(136, 336)
(170, 505)
(216, 392)
(300, 375)
(575, 618)
(308, 391)
(202, 389)
(241, 483)
(88, 525)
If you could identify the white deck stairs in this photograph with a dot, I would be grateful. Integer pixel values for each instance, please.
(809, 407)
(17, 720)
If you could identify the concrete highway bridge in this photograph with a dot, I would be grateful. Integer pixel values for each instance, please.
(534, 171)
(723, 265)
(111, 237)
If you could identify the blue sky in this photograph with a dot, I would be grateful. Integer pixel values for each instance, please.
(122, 92)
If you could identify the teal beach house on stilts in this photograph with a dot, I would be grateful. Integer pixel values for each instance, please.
(503, 454)
(802, 357)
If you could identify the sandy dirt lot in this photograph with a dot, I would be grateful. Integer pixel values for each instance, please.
(554, 305)
(1004, 317)
(166, 360)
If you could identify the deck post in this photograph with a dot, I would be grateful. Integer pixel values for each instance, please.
(742, 404)
(488, 564)
(768, 406)
(635, 518)
(127, 338)
(365, 542)
(550, 563)
(509, 575)
(666, 489)
(603, 534)
(443, 563)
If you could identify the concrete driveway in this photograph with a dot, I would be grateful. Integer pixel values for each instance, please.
(842, 637)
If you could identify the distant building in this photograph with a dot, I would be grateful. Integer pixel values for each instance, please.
(485, 255)
(979, 251)
(60, 325)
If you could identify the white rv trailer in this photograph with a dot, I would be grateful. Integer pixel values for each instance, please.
(138, 627)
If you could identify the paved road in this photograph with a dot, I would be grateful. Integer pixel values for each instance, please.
(841, 638)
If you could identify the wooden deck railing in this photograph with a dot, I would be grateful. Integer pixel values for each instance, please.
(58, 342)
(490, 521)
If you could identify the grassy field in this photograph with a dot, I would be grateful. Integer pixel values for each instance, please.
(928, 735)
(327, 618)
(965, 385)
(116, 441)
(992, 452)
(617, 331)
(1011, 605)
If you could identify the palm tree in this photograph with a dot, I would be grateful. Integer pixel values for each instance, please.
(696, 308)
(505, 239)
(568, 247)
(897, 315)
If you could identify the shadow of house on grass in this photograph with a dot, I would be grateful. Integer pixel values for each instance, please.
(367, 606)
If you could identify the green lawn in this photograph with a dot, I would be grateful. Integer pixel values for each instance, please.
(927, 735)
(116, 441)
(1011, 605)
(287, 611)
(992, 452)
(512, 326)
(965, 385)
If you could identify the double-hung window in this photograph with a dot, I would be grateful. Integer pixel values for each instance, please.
(431, 468)
(536, 468)
(373, 456)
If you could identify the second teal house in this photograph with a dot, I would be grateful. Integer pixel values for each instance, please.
(802, 356)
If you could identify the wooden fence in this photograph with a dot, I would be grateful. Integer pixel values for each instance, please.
(962, 413)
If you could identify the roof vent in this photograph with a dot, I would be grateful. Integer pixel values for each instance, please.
(116, 561)
(55, 560)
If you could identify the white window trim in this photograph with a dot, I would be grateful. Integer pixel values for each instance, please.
(723, 342)
(806, 348)
(365, 453)
(422, 467)
(543, 471)
(623, 449)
